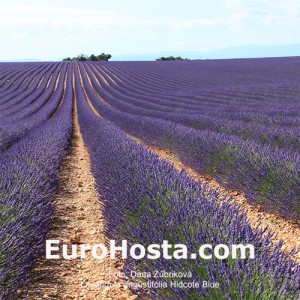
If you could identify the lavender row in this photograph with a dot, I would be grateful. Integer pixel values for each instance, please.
(39, 98)
(264, 112)
(283, 93)
(269, 103)
(32, 92)
(195, 99)
(280, 100)
(9, 75)
(278, 136)
(21, 123)
(5, 70)
(267, 177)
(13, 81)
(23, 86)
(28, 181)
(147, 201)
(216, 74)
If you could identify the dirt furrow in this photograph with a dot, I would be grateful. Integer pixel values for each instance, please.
(77, 220)
(89, 80)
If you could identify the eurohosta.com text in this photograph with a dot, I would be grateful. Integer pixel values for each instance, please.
(56, 250)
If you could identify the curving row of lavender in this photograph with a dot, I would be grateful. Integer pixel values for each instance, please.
(17, 79)
(171, 105)
(258, 158)
(38, 140)
(24, 111)
(278, 135)
(147, 201)
(278, 99)
(220, 94)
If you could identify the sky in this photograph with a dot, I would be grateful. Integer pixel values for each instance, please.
(56, 29)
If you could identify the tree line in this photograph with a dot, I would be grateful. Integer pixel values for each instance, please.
(106, 57)
(92, 57)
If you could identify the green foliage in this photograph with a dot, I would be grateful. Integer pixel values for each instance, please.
(92, 57)
(171, 58)
(67, 59)
(103, 57)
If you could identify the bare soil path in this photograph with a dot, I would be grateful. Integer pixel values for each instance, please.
(77, 220)
(285, 230)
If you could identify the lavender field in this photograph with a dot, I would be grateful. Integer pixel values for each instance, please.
(236, 121)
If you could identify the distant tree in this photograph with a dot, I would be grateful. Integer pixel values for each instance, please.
(82, 57)
(67, 59)
(93, 57)
(171, 58)
(104, 57)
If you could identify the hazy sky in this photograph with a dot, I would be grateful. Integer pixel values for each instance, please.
(58, 28)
